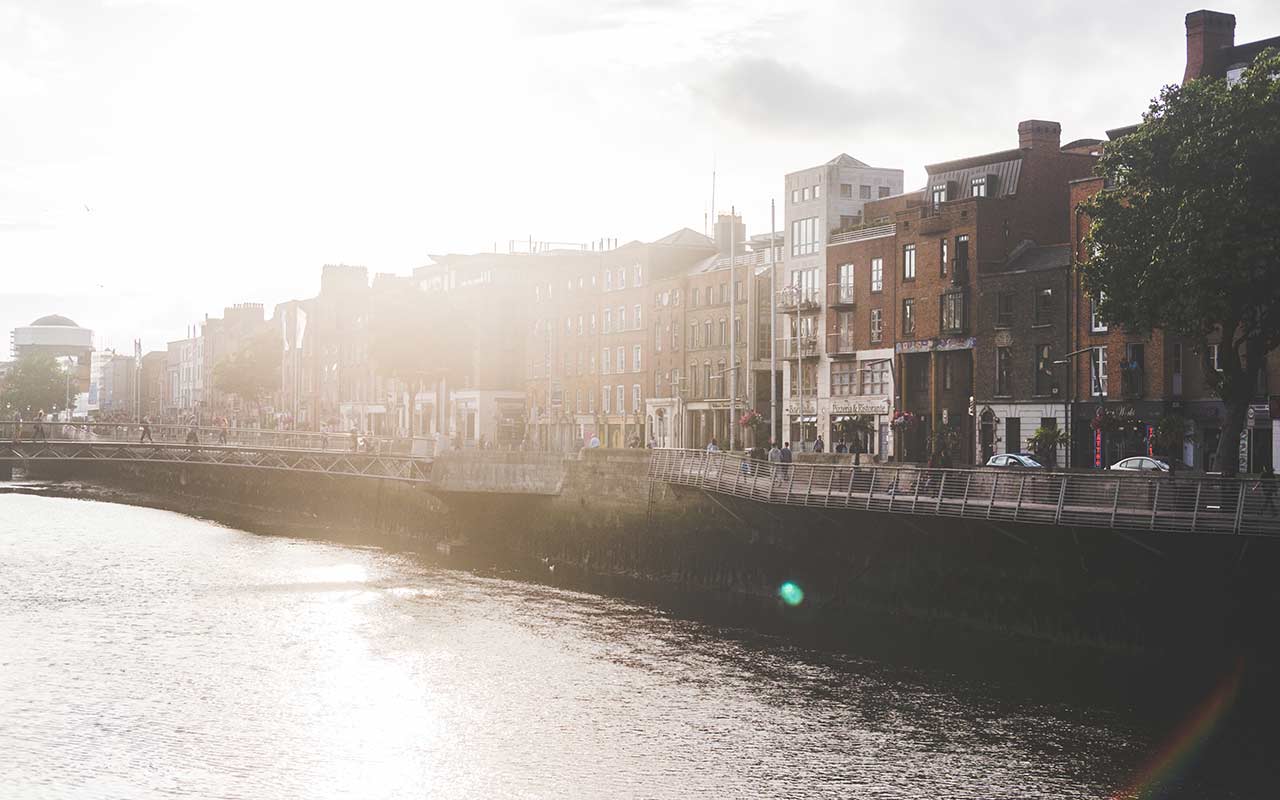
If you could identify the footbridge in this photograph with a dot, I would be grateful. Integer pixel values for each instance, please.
(246, 448)
(1115, 500)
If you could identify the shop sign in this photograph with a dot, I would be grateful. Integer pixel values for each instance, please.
(1097, 448)
(870, 406)
(944, 343)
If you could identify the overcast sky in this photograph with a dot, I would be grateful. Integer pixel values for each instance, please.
(164, 158)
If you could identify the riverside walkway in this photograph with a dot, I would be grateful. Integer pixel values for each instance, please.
(253, 448)
(1127, 501)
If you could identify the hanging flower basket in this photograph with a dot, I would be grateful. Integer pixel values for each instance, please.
(751, 419)
(904, 419)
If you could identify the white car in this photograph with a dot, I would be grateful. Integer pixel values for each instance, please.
(1014, 460)
(1140, 464)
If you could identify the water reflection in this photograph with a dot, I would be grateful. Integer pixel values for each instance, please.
(147, 654)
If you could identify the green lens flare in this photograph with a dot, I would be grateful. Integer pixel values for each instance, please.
(791, 593)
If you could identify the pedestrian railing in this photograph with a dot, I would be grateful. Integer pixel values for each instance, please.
(214, 435)
(1105, 500)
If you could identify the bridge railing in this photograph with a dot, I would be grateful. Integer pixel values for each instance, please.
(1106, 500)
(245, 437)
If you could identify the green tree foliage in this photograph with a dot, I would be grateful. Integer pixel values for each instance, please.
(1045, 443)
(34, 383)
(253, 372)
(1187, 239)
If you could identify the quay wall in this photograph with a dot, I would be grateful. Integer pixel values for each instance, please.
(595, 521)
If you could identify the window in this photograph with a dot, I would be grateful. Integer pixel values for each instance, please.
(951, 312)
(877, 274)
(608, 320)
(884, 191)
(722, 377)
(1044, 306)
(804, 193)
(795, 195)
(636, 322)
(697, 298)
(846, 190)
(593, 324)
(622, 279)
(604, 361)
(622, 318)
(568, 326)
(706, 377)
(657, 338)
(724, 335)
(591, 401)
(593, 363)
(605, 394)
(635, 398)
(621, 407)
(657, 384)
(908, 317)
(737, 330)
(864, 192)
(675, 336)
(724, 293)
(844, 378)
(737, 292)
(1215, 359)
(707, 341)
(962, 258)
(875, 377)
(1004, 372)
(620, 360)
(1096, 323)
(582, 324)
(817, 192)
(675, 381)
(948, 373)
(804, 236)
(979, 186)
(693, 334)
(608, 280)
(877, 325)
(675, 297)
(1004, 309)
(942, 257)
(635, 358)
(1044, 369)
(939, 193)
(1098, 372)
(635, 275)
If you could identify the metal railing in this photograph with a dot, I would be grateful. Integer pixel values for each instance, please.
(841, 294)
(327, 462)
(798, 298)
(796, 346)
(252, 437)
(1106, 500)
(860, 234)
(842, 343)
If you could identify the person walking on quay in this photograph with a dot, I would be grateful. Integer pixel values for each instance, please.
(222, 430)
(146, 431)
(713, 446)
(38, 431)
(355, 441)
(193, 432)
(841, 447)
(17, 426)
(785, 458)
(819, 445)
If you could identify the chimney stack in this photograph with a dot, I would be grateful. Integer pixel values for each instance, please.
(1207, 33)
(1039, 134)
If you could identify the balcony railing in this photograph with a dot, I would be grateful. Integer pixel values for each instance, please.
(841, 343)
(799, 299)
(860, 234)
(1132, 383)
(796, 346)
(840, 294)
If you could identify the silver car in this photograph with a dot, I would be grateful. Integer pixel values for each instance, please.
(1140, 464)
(1014, 460)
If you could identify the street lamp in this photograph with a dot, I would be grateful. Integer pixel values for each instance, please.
(1066, 401)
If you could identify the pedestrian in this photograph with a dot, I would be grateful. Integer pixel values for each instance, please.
(818, 444)
(222, 430)
(785, 458)
(17, 426)
(653, 442)
(713, 446)
(355, 440)
(146, 431)
(594, 444)
(193, 432)
(841, 447)
(39, 427)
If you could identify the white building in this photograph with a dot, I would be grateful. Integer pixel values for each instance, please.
(818, 202)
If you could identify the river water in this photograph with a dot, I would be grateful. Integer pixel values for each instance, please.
(147, 654)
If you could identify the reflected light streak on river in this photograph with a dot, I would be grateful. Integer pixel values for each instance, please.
(147, 654)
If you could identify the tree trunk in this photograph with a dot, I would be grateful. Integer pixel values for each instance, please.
(1232, 425)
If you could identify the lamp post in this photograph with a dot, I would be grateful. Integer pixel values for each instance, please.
(1069, 358)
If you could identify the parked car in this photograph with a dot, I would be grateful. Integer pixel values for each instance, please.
(1140, 464)
(1016, 460)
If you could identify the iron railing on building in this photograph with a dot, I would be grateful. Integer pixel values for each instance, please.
(1106, 500)
(165, 433)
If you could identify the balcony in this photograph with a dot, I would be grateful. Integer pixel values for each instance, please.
(798, 299)
(797, 346)
(1132, 382)
(959, 271)
(840, 294)
(841, 343)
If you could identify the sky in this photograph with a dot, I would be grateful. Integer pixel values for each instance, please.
(161, 159)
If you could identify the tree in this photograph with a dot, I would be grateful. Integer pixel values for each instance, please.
(1045, 443)
(36, 382)
(253, 372)
(1186, 238)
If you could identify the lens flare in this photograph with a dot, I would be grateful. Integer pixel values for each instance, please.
(791, 593)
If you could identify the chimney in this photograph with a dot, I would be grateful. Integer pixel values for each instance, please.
(1039, 134)
(724, 225)
(1207, 33)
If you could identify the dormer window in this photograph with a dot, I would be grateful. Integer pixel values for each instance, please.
(940, 194)
(979, 186)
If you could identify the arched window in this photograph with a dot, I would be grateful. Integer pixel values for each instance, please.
(724, 336)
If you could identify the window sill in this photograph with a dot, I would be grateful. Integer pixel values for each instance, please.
(1042, 325)
(1002, 326)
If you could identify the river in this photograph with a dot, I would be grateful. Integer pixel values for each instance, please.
(148, 654)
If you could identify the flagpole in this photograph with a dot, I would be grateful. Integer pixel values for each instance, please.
(773, 338)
